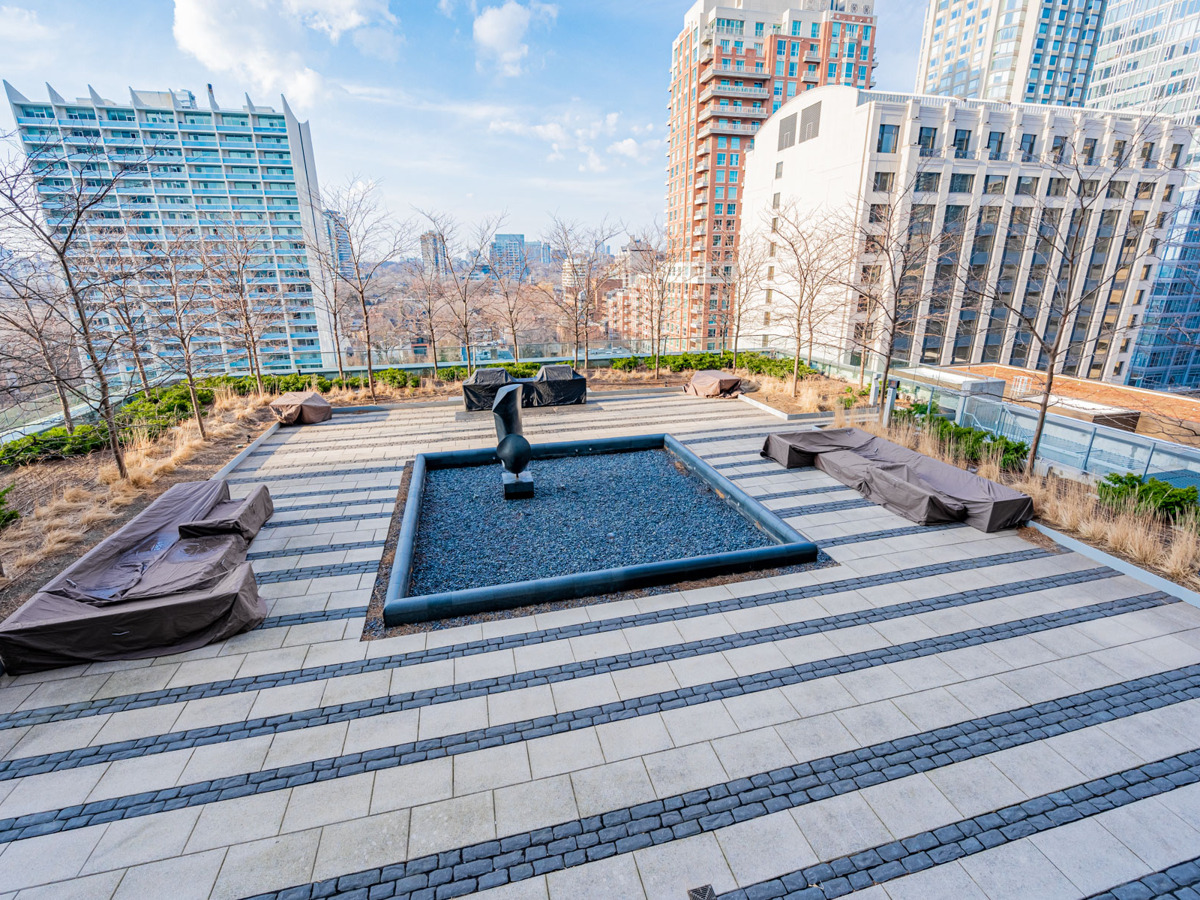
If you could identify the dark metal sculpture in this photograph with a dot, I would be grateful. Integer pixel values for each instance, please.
(512, 448)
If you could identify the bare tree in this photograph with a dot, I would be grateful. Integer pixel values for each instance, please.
(36, 351)
(512, 298)
(239, 270)
(184, 304)
(464, 277)
(653, 273)
(372, 242)
(324, 249)
(48, 236)
(740, 280)
(587, 268)
(426, 290)
(809, 254)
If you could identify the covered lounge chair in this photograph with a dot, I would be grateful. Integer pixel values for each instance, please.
(908, 483)
(174, 578)
(555, 386)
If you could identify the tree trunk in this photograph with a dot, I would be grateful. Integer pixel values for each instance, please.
(195, 397)
(1043, 406)
(106, 407)
(362, 298)
(516, 347)
(65, 405)
(137, 361)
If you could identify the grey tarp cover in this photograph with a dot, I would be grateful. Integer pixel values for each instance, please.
(555, 386)
(989, 506)
(713, 383)
(552, 386)
(301, 408)
(145, 590)
(479, 391)
(893, 486)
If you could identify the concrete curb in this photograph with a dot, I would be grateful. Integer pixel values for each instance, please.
(779, 414)
(226, 469)
(1125, 568)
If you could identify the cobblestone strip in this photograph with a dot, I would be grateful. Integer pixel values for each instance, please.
(1179, 882)
(332, 504)
(803, 492)
(520, 856)
(966, 837)
(362, 567)
(548, 674)
(275, 679)
(333, 490)
(315, 520)
(267, 780)
(316, 471)
(300, 551)
(813, 509)
(757, 461)
(316, 615)
(842, 540)
(718, 436)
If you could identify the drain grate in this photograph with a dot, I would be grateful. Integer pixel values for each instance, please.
(702, 893)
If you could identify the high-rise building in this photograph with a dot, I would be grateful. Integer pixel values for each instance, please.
(732, 65)
(1148, 56)
(433, 253)
(507, 255)
(985, 235)
(1031, 51)
(200, 169)
(538, 252)
(337, 237)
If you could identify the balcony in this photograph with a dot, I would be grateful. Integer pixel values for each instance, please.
(733, 90)
(701, 184)
(702, 166)
(734, 112)
(699, 231)
(715, 127)
(701, 199)
(813, 77)
(735, 71)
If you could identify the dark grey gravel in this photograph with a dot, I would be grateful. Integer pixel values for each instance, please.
(588, 513)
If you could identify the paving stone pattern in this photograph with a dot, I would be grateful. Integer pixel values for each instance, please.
(940, 713)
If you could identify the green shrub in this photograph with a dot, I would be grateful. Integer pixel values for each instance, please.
(56, 443)
(7, 514)
(1147, 495)
(626, 364)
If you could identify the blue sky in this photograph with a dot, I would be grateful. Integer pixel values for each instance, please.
(475, 107)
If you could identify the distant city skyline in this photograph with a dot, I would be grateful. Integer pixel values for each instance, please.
(525, 108)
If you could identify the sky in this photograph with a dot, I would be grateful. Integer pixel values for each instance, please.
(477, 108)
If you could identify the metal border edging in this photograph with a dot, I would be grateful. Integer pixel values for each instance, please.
(250, 448)
(1113, 562)
(399, 608)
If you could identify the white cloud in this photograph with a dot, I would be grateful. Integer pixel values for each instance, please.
(628, 147)
(263, 41)
(24, 39)
(500, 34)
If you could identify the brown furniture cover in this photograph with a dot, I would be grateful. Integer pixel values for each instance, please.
(174, 578)
(301, 408)
(904, 481)
(713, 383)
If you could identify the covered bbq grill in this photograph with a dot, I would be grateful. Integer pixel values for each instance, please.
(301, 408)
(713, 383)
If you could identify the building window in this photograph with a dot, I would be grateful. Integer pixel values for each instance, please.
(1056, 187)
(928, 181)
(1028, 142)
(1026, 185)
(879, 212)
(1116, 190)
(962, 143)
(926, 139)
(1168, 192)
(961, 183)
(775, 202)
(884, 181)
(888, 134)
(1145, 190)
(995, 145)
(779, 170)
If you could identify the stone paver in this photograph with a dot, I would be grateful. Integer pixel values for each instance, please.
(939, 713)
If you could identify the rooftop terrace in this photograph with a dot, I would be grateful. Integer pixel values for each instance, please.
(942, 713)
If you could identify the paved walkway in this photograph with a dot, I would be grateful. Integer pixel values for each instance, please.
(942, 714)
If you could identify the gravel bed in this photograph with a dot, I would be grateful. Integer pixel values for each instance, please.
(588, 513)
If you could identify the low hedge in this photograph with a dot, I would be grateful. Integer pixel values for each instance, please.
(1147, 495)
(57, 443)
(972, 444)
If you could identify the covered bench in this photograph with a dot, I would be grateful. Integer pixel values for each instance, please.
(301, 408)
(908, 483)
(174, 578)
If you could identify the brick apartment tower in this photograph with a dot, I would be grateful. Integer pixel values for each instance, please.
(731, 67)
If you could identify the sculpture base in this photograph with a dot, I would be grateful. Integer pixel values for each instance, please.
(517, 487)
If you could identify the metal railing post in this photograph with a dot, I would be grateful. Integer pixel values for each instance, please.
(1146, 473)
(1087, 455)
